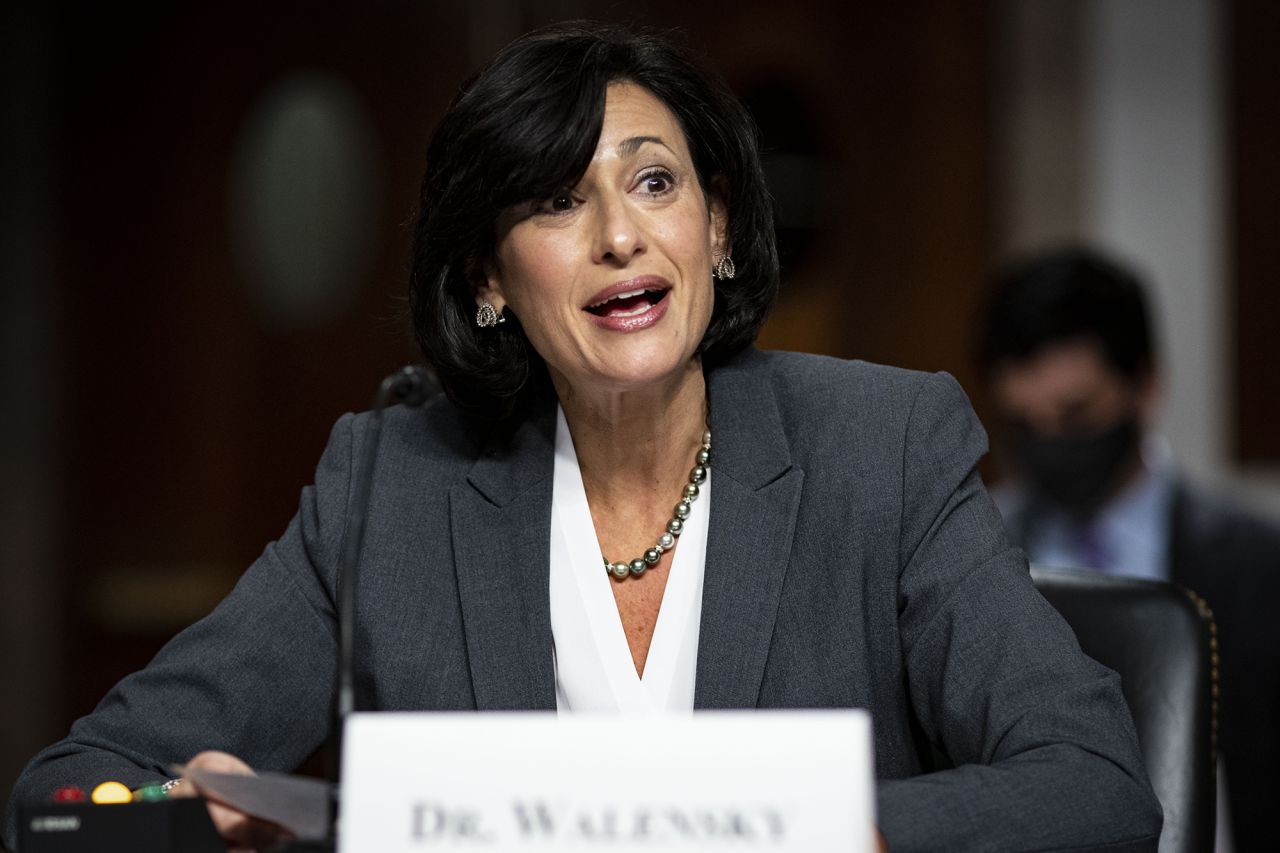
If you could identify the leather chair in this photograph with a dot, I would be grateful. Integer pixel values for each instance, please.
(1161, 639)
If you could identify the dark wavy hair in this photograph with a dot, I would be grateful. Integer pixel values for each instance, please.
(1064, 295)
(525, 126)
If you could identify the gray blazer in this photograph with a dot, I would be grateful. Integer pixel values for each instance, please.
(853, 559)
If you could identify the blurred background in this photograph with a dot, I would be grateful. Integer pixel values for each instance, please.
(203, 240)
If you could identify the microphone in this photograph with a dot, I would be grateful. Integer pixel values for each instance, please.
(412, 386)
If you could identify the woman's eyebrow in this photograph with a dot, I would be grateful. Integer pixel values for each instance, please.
(631, 145)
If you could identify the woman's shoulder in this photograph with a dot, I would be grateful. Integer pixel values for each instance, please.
(803, 382)
(808, 367)
(437, 432)
(830, 403)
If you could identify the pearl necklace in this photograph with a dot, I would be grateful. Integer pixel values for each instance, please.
(675, 526)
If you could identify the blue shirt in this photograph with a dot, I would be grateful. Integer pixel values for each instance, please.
(1128, 536)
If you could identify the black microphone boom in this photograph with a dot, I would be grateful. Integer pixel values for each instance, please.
(413, 386)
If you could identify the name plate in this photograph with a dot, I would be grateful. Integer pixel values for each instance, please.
(722, 781)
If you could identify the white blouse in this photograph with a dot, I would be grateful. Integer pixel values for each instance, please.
(593, 665)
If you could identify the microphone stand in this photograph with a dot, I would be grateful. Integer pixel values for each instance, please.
(412, 386)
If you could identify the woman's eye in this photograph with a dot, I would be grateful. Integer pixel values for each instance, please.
(657, 183)
(559, 203)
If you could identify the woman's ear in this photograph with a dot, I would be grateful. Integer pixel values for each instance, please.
(718, 219)
(719, 228)
(486, 285)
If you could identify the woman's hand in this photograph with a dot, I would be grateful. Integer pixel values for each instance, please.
(241, 831)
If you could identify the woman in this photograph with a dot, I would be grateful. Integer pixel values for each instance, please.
(593, 258)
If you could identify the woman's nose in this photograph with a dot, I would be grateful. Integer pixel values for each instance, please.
(619, 236)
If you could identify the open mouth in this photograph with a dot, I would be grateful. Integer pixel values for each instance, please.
(630, 303)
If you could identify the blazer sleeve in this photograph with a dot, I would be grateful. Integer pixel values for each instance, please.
(1045, 753)
(254, 678)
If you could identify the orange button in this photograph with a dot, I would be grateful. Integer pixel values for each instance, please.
(111, 792)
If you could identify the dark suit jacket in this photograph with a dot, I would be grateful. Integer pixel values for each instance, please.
(853, 559)
(1232, 559)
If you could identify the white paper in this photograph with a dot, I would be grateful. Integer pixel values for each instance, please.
(299, 804)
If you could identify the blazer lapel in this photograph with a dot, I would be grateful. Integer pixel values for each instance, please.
(754, 499)
(501, 523)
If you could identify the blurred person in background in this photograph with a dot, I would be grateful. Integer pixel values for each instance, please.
(1066, 347)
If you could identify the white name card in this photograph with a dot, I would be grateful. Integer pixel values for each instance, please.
(721, 781)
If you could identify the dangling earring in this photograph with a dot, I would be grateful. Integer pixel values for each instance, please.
(724, 268)
(487, 316)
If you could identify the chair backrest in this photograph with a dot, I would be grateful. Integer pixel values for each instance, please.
(1161, 639)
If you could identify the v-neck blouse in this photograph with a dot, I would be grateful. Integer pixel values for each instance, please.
(593, 664)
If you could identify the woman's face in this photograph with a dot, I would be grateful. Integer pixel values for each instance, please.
(611, 278)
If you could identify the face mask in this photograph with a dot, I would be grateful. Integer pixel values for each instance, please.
(1078, 473)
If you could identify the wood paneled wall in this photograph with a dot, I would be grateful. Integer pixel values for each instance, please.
(1254, 253)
